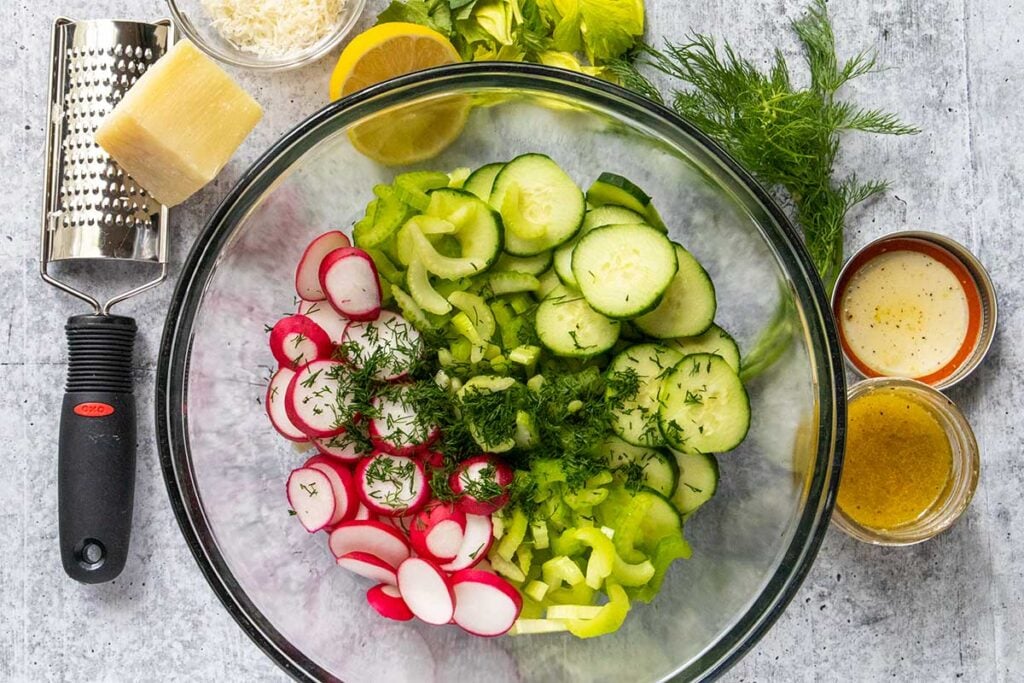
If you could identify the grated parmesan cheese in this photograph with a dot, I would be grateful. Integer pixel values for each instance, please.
(273, 28)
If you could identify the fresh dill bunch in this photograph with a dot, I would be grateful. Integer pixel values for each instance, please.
(787, 136)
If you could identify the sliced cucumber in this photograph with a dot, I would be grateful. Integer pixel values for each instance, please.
(689, 305)
(652, 467)
(662, 519)
(595, 218)
(548, 283)
(477, 231)
(635, 417)
(539, 203)
(481, 180)
(623, 270)
(568, 326)
(615, 190)
(698, 480)
(510, 283)
(531, 265)
(716, 341)
(704, 406)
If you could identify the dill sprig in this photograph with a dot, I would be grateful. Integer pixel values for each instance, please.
(787, 136)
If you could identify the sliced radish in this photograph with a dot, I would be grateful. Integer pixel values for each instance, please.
(349, 278)
(362, 512)
(275, 403)
(483, 483)
(476, 543)
(389, 344)
(312, 400)
(338, 447)
(401, 524)
(328, 319)
(485, 604)
(388, 602)
(432, 460)
(392, 485)
(297, 340)
(396, 428)
(307, 275)
(311, 497)
(426, 590)
(370, 566)
(369, 536)
(437, 531)
(346, 500)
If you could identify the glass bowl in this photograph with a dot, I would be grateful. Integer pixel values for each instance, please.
(225, 466)
(191, 18)
(959, 490)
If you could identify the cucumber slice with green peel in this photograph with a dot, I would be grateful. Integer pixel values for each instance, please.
(481, 180)
(511, 283)
(689, 305)
(417, 280)
(635, 414)
(623, 270)
(650, 467)
(704, 406)
(611, 189)
(698, 480)
(539, 203)
(715, 341)
(662, 519)
(531, 265)
(549, 282)
(568, 326)
(595, 218)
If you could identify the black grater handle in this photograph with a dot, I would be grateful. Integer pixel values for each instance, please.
(96, 460)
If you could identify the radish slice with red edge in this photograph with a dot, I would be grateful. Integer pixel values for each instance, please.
(343, 485)
(369, 566)
(338, 447)
(476, 543)
(307, 275)
(348, 277)
(387, 601)
(426, 590)
(485, 604)
(311, 498)
(326, 318)
(392, 485)
(312, 398)
(396, 428)
(369, 536)
(437, 531)
(274, 402)
(297, 340)
(432, 460)
(402, 524)
(389, 343)
(482, 482)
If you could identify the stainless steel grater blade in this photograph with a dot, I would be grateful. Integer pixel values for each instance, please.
(93, 210)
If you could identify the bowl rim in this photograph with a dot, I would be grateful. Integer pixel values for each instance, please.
(174, 354)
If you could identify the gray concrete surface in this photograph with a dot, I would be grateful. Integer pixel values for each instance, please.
(949, 609)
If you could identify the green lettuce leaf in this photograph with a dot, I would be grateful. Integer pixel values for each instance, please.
(435, 14)
(495, 17)
(610, 28)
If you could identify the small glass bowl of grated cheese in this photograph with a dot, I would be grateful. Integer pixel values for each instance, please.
(270, 35)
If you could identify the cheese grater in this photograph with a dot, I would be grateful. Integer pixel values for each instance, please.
(92, 210)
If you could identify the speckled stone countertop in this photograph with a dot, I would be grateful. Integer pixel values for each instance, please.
(950, 608)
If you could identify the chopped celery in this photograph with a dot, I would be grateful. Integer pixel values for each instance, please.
(669, 549)
(608, 620)
(524, 557)
(477, 311)
(562, 569)
(573, 611)
(581, 594)
(524, 355)
(536, 590)
(514, 535)
(507, 569)
(524, 627)
(539, 531)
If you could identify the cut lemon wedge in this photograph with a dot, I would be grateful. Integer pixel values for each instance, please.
(408, 133)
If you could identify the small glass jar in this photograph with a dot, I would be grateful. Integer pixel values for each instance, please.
(959, 489)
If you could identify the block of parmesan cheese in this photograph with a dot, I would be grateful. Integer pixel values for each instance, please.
(178, 124)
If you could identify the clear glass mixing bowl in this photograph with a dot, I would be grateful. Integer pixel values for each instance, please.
(225, 466)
